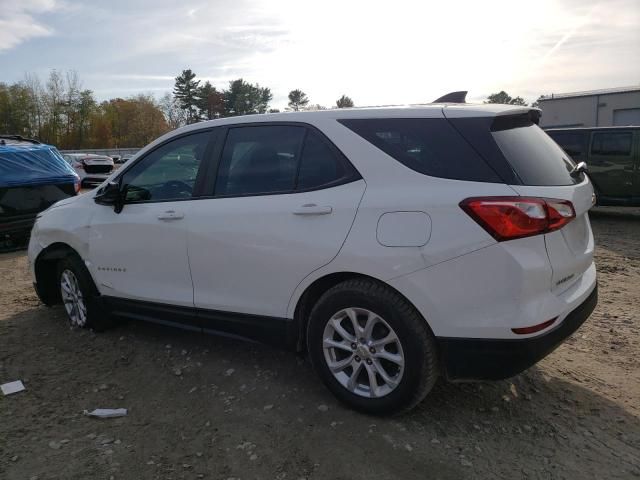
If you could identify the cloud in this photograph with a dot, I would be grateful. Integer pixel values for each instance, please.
(376, 52)
(17, 22)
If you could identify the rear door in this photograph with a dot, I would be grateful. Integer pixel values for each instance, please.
(543, 170)
(533, 165)
(280, 207)
(611, 162)
(97, 164)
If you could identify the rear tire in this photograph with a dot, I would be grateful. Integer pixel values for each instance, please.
(385, 362)
(80, 297)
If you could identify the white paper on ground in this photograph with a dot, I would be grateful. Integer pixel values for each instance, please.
(106, 412)
(12, 387)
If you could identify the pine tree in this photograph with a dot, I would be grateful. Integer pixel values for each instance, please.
(186, 91)
(506, 99)
(344, 102)
(242, 98)
(297, 99)
(210, 102)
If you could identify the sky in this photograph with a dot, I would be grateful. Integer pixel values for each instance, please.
(378, 53)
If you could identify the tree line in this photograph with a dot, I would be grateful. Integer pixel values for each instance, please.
(194, 100)
(59, 111)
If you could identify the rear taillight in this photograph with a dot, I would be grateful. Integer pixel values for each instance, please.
(76, 185)
(560, 213)
(508, 218)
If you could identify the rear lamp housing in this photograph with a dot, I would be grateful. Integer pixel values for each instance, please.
(508, 218)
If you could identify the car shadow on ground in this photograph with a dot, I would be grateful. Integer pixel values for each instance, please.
(173, 381)
(617, 231)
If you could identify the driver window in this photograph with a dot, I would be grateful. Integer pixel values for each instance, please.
(169, 172)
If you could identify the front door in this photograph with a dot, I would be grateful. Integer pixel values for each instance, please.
(611, 163)
(284, 201)
(141, 252)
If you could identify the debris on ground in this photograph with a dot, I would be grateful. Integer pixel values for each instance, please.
(12, 387)
(106, 412)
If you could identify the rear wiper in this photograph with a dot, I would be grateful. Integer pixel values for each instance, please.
(578, 169)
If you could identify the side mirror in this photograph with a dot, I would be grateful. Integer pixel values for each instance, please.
(111, 195)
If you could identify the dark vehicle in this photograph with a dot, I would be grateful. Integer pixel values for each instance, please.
(612, 155)
(33, 176)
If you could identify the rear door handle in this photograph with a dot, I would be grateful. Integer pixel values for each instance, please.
(313, 209)
(170, 215)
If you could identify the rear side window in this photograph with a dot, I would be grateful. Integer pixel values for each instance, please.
(427, 145)
(574, 143)
(259, 160)
(320, 164)
(532, 154)
(270, 159)
(611, 144)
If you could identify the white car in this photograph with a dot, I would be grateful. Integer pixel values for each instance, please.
(92, 169)
(395, 245)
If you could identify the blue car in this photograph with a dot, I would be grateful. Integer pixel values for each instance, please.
(33, 176)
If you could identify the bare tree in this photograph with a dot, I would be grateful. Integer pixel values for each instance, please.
(174, 115)
(34, 87)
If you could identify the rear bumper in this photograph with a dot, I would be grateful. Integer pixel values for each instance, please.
(495, 359)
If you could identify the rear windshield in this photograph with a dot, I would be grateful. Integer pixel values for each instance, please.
(533, 155)
(427, 145)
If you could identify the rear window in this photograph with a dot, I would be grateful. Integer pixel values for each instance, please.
(427, 145)
(533, 155)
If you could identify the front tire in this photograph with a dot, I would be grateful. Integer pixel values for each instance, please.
(371, 347)
(80, 295)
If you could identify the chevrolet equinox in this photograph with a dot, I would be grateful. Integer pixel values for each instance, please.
(394, 245)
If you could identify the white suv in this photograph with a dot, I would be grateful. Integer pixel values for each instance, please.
(395, 245)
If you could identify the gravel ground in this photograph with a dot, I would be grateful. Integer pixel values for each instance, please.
(206, 407)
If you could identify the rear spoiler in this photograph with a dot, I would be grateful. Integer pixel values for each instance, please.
(515, 118)
(461, 97)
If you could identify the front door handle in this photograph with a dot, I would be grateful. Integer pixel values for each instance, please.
(170, 215)
(313, 209)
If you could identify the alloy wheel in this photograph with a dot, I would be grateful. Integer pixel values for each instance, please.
(73, 299)
(363, 352)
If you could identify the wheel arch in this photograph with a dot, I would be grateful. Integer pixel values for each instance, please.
(45, 268)
(318, 287)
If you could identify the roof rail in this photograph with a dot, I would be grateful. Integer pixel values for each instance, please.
(20, 138)
(453, 97)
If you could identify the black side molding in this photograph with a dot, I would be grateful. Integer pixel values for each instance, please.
(497, 359)
(276, 331)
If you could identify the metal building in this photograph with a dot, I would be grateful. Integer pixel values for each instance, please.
(596, 108)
